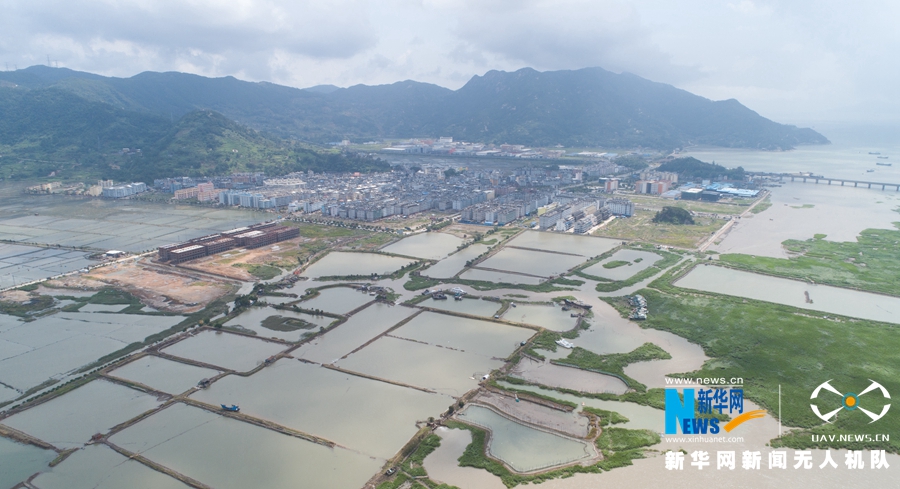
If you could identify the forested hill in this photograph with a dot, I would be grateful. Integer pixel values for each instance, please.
(588, 107)
(46, 131)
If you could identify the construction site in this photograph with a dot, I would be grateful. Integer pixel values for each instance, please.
(253, 236)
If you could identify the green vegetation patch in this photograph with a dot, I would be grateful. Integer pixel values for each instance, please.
(871, 263)
(262, 272)
(691, 168)
(673, 215)
(614, 363)
(668, 260)
(616, 264)
(413, 464)
(770, 345)
(619, 439)
(25, 309)
(804, 206)
(765, 204)
(606, 417)
(286, 324)
(475, 456)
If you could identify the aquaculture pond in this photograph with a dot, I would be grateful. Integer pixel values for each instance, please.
(228, 454)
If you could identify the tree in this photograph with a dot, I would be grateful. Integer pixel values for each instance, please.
(673, 215)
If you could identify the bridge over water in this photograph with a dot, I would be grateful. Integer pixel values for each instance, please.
(805, 178)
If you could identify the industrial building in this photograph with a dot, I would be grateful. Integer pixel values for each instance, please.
(253, 236)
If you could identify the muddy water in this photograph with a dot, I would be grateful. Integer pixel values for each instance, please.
(252, 320)
(439, 369)
(360, 328)
(100, 467)
(469, 335)
(499, 277)
(546, 373)
(639, 417)
(340, 263)
(839, 213)
(19, 461)
(337, 300)
(229, 454)
(475, 307)
(524, 448)
(626, 271)
(565, 243)
(825, 298)
(452, 265)
(71, 419)
(443, 466)
(531, 262)
(373, 417)
(163, 375)
(433, 246)
(545, 316)
(231, 351)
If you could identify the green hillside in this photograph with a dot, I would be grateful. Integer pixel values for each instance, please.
(53, 131)
(590, 107)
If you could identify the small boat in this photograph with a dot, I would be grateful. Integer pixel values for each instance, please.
(870, 170)
(883, 157)
(882, 164)
(874, 153)
(233, 408)
(565, 343)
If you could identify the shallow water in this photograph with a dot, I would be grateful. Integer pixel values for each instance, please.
(360, 328)
(639, 417)
(439, 369)
(626, 271)
(469, 335)
(70, 420)
(475, 307)
(19, 461)
(499, 277)
(531, 262)
(426, 245)
(341, 263)
(442, 464)
(52, 346)
(163, 375)
(373, 417)
(825, 298)
(546, 373)
(588, 246)
(100, 467)
(253, 318)
(229, 454)
(545, 316)
(231, 351)
(522, 447)
(337, 300)
(454, 263)
(840, 213)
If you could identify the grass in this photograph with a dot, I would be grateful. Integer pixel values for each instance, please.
(413, 464)
(804, 206)
(616, 264)
(284, 324)
(615, 363)
(606, 417)
(25, 309)
(619, 439)
(641, 227)
(770, 345)
(762, 205)
(696, 206)
(475, 456)
(870, 263)
(262, 272)
(604, 285)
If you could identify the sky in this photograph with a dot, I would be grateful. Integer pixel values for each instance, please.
(792, 61)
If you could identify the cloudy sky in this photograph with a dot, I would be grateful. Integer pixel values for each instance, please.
(794, 61)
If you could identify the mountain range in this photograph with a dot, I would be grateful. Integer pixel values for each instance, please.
(590, 107)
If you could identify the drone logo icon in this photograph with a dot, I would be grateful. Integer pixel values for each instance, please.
(850, 401)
